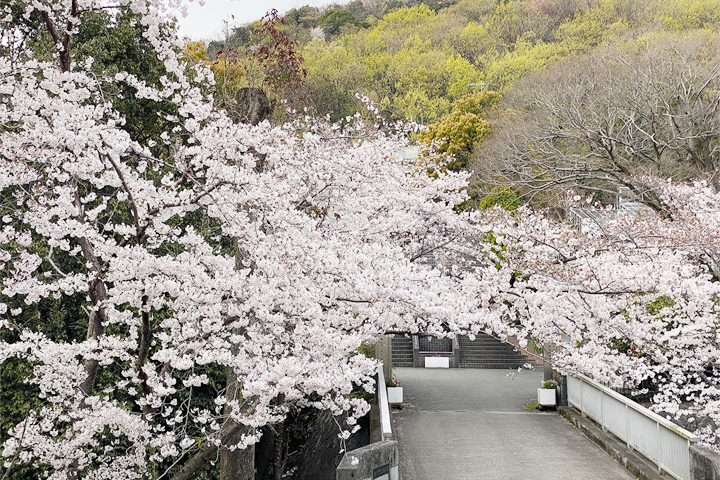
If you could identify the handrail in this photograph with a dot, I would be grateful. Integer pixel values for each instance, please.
(385, 424)
(640, 409)
(660, 440)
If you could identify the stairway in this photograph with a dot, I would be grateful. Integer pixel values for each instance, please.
(484, 352)
(488, 352)
(402, 351)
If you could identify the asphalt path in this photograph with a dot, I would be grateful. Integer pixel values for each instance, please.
(471, 424)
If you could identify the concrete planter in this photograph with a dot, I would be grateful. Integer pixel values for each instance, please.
(437, 362)
(395, 394)
(546, 397)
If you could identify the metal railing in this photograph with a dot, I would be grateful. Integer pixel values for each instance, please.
(430, 344)
(660, 440)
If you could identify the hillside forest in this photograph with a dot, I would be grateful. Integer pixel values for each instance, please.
(464, 68)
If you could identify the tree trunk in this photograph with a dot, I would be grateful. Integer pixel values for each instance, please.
(281, 449)
(236, 464)
(206, 453)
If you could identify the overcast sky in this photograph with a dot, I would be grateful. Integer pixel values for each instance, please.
(208, 22)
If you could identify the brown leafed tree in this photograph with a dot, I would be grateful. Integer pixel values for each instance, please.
(603, 121)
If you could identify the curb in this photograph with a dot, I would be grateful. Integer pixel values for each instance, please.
(633, 462)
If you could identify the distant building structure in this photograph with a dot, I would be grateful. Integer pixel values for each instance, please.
(407, 154)
(627, 204)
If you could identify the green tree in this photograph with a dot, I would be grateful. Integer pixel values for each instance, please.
(690, 14)
(336, 21)
(116, 44)
(305, 17)
(459, 132)
(334, 76)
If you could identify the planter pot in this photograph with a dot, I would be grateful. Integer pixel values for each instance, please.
(395, 394)
(546, 397)
(437, 362)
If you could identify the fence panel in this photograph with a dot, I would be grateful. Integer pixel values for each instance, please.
(643, 436)
(663, 442)
(615, 416)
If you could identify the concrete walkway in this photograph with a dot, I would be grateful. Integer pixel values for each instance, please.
(469, 424)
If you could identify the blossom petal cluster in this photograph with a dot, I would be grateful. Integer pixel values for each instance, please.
(632, 301)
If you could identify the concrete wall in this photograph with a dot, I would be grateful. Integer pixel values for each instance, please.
(704, 463)
(376, 461)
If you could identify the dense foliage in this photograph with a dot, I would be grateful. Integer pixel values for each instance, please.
(415, 58)
(457, 133)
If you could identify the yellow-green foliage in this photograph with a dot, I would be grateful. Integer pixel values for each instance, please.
(527, 57)
(416, 62)
(332, 73)
(691, 14)
(464, 127)
(229, 70)
(406, 21)
(195, 52)
(502, 197)
(402, 63)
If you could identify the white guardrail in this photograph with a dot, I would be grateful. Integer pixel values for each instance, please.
(660, 440)
(382, 400)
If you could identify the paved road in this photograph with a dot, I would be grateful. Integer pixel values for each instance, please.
(470, 424)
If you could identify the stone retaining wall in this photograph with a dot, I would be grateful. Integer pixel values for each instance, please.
(376, 461)
(704, 463)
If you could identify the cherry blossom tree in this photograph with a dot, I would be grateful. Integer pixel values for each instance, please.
(630, 300)
(269, 252)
